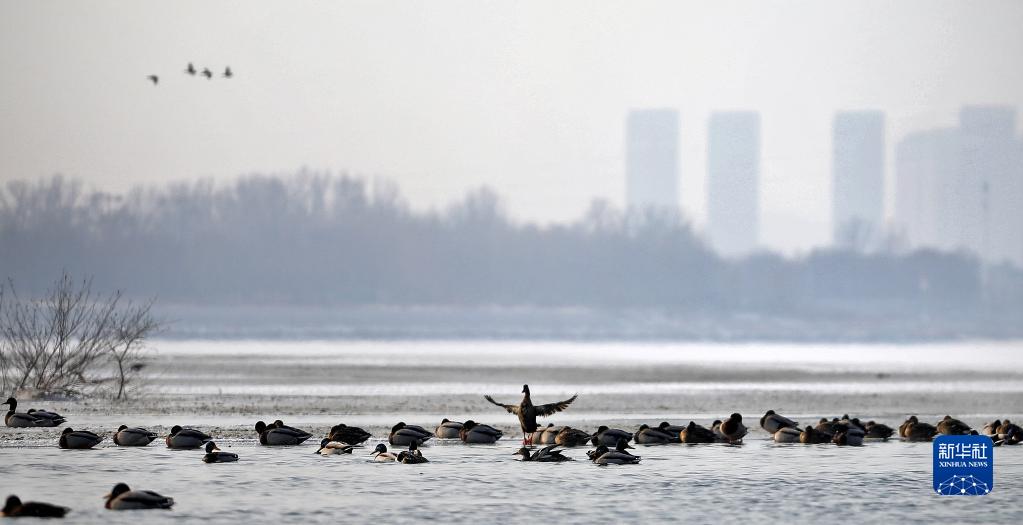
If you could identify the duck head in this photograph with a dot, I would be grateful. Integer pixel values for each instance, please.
(524, 452)
(260, 427)
(11, 401)
(599, 451)
(525, 390)
(278, 424)
(175, 429)
(13, 502)
(445, 420)
(66, 431)
(601, 428)
(381, 449)
(643, 427)
(469, 425)
(809, 429)
(399, 426)
(118, 489)
(736, 417)
(211, 446)
(769, 413)
(664, 425)
(122, 427)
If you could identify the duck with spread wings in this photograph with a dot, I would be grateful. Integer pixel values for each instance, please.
(528, 412)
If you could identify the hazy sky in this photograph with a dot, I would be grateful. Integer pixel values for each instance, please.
(527, 97)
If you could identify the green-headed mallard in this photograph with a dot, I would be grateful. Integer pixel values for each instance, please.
(772, 422)
(651, 436)
(401, 435)
(123, 498)
(347, 434)
(381, 454)
(186, 438)
(610, 436)
(412, 456)
(448, 429)
(215, 455)
(329, 448)
(133, 437)
(13, 418)
(473, 432)
(78, 439)
(274, 436)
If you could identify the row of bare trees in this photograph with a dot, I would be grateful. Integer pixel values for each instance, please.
(72, 341)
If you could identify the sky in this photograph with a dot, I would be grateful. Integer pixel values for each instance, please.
(526, 97)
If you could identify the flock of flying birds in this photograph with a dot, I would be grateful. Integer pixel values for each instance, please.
(612, 445)
(155, 79)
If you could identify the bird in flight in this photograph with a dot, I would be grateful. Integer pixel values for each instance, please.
(190, 69)
(227, 72)
(528, 412)
(154, 79)
(207, 73)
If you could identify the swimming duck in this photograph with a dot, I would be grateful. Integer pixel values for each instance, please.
(123, 498)
(215, 455)
(347, 434)
(207, 73)
(914, 430)
(878, 431)
(133, 437)
(693, 434)
(651, 436)
(549, 435)
(672, 430)
(402, 434)
(950, 426)
(610, 436)
(571, 437)
(186, 438)
(15, 419)
(154, 79)
(412, 456)
(380, 453)
(78, 439)
(54, 418)
(273, 436)
(604, 456)
(812, 436)
(448, 429)
(528, 412)
(991, 429)
(733, 429)
(328, 447)
(715, 427)
(852, 437)
(1010, 433)
(548, 454)
(905, 425)
(15, 508)
(849, 422)
(227, 72)
(787, 435)
(190, 69)
(772, 422)
(473, 432)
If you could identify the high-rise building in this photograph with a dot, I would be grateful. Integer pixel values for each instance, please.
(962, 188)
(651, 159)
(857, 178)
(733, 173)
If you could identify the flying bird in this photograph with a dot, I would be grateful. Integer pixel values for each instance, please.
(528, 412)
(207, 73)
(154, 79)
(227, 72)
(190, 69)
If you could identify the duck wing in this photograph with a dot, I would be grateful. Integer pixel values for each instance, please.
(549, 408)
(513, 409)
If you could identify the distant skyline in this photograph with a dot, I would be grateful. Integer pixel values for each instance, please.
(527, 97)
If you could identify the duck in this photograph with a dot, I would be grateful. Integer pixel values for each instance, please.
(733, 429)
(610, 436)
(381, 454)
(215, 455)
(830, 426)
(1010, 433)
(227, 72)
(549, 435)
(207, 73)
(133, 437)
(917, 431)
(473, 432)
(693, 434)
(651, 436)
(447, 429)
(154, 79)
(273, 436)
(787, 435)
(190, 69)
(347, 434)
(186, 438)
(878, 431)
(78, 439)
(123, 498)
(572, 437)
(949, 426)
(852, 437)
(52, 417)
(402, 434)
(991, 429)
(15, 508)
(851, 422)
(675, 431)
(772, 422)
(812, 436)
(905, 425)
(548, 454)
(619, 456)
(329, 448)
(528, 412)
(412, 456)
(715, 427)
(16, 419)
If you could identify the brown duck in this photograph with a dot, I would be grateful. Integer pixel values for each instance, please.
(528, 412)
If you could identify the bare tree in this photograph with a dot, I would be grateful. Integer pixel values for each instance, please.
(131, 328)
(60, 344)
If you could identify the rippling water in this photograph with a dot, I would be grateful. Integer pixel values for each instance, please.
(224, 387)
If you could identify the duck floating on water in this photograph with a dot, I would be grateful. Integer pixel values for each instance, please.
(123, 498)
(548, 454)
(16, 419)
(652, 436)
(448, 429)
(572, 437)
(402, 435)
(915, 430)
(787, 435)
(347, 434)
(473, 432)
(950, 426)
(133, 437)
(852, 437)
(381, 454)
(186, 438)
(675, 431)
(878, 431)
(610, 436)
(812, 436)
(619, 456)
(773, 422)
(78, 439)
(412, 456)
(528, 412)
(280, 436)
(329, 448)
(732, 429)
(15, 508)
(215, 455)
(694, 434)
